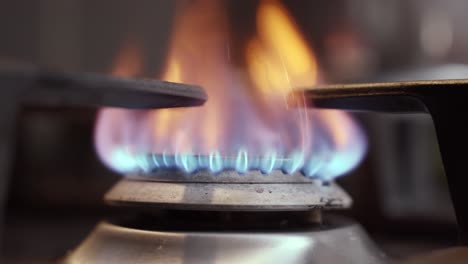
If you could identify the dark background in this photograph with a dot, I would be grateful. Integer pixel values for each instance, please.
(57, 182)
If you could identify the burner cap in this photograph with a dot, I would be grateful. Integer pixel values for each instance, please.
(229, 191)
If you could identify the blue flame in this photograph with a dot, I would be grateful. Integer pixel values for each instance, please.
(216, 163)
(143, 163)
(166, 160)
(311, 167)
(187, 162)
(242, 161)
(324, 157)
(325, 162)
(294, 162)
(122, 160)
(341, 162)
(155, 161)
(268, 163)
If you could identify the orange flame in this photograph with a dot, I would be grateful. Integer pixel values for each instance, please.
(278, 58)
(232, 123)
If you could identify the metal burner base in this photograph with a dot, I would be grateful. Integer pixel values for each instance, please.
(338, 240)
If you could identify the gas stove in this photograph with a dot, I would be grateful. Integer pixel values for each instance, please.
(227, 216)
(249, 176)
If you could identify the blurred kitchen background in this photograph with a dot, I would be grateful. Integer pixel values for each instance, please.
(56, 184)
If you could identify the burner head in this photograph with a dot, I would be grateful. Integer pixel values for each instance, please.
(228, 191)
